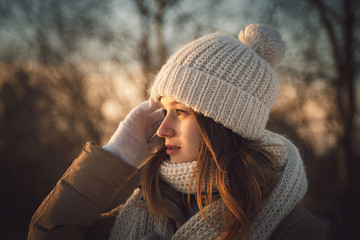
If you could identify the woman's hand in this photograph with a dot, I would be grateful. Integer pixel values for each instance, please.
(135, 138)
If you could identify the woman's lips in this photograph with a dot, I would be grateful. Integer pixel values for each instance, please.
(170, 149)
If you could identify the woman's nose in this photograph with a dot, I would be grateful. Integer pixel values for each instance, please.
(166, 128)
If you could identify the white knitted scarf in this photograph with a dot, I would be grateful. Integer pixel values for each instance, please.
(136, 222)
(179, 176)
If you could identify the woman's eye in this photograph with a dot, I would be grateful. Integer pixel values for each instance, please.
(180, 112)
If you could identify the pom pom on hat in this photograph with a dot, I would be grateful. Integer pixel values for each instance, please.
(265, 41)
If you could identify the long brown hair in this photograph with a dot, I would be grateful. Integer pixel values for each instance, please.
(244, 171)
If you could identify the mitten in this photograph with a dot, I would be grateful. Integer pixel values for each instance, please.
(135, 137)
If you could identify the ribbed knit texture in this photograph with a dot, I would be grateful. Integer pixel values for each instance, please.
(226, 79)
(289, 190)
(135, 222)
(179, 175)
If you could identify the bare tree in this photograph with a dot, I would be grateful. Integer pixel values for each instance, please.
(343, 46)
(151, 49)
(152, 45)
(45, 111)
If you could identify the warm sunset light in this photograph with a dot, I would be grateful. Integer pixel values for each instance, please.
(70, 71)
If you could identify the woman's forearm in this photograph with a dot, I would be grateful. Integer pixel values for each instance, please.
(81, 195)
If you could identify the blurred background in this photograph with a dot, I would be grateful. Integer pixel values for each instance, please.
(71, 70)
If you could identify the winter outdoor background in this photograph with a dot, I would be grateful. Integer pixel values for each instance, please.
(71, 70)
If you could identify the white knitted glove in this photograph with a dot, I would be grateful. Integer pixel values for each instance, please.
(135, 137)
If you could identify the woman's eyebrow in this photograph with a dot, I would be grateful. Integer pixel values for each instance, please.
(172, 104)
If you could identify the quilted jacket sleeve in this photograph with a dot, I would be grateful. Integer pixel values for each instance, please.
(81, 196)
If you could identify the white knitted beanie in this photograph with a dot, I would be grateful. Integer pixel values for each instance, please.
(231, 81)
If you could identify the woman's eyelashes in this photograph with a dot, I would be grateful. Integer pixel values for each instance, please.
(179, 112)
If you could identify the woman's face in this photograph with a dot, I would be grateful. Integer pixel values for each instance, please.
(180, 131)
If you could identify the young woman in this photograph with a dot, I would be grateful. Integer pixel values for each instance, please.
(212, 170)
